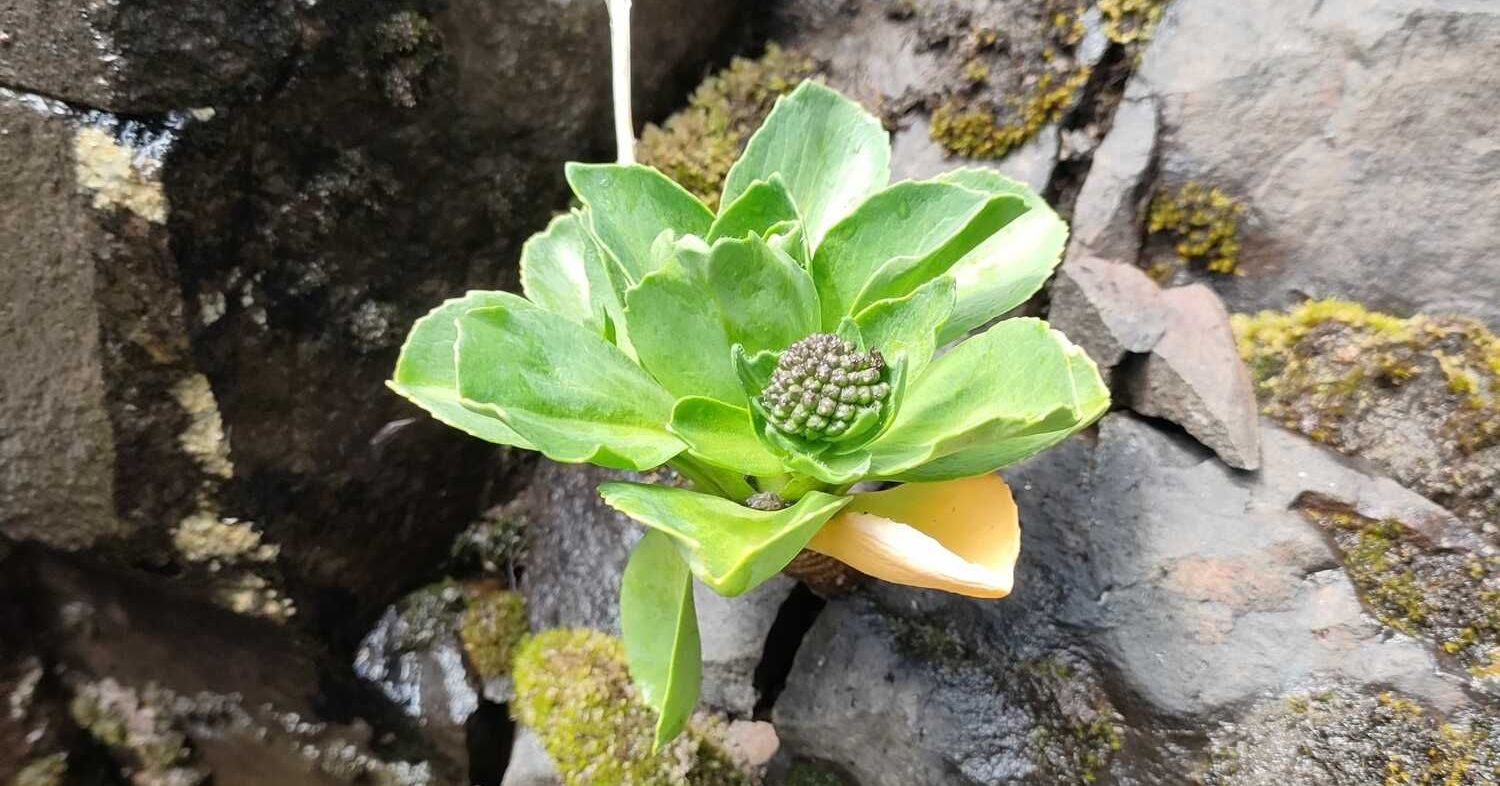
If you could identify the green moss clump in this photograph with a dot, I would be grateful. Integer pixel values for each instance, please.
(697, 145)
(139, 734)
(1131, 21)
(1203, 223)
(404, 47)
(976, 132)
(1445, 596)
(492, 627)
(574, 690)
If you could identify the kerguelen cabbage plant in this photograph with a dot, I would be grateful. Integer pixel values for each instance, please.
(775, 355)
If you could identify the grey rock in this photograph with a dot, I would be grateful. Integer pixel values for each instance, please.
(915, 156)
(1194, 377)
(733, 633)
(529, 763)
(414, 654)
(1205, 587)
(1358, 169)
(146, 56)
(1111, 309)
(576, 550)
(1106, 216)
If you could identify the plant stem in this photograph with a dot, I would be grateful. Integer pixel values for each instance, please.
(712, 480)
(619, 46)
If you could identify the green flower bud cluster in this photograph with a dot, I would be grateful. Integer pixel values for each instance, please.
(821, 385)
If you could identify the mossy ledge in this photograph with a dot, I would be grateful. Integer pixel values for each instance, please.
(574, 690)
(1418, 396)
(697, 145)
(1448, 597)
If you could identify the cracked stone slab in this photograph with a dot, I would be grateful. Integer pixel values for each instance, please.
(1193, 376)
(1111, 309)
(1105, 217)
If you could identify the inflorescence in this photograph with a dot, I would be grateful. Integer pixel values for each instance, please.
(821, 385)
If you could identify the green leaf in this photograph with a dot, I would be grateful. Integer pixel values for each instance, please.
(765, 299)
(425, 373)
(630, 205)
(912, 228)
(1011, 265)
(679, 335)
(754, 370)
(563, 272)
(729, 547)
(764, 204)
(902, 275)
(660, 630)
(570, 393)
(722, 435)
(996, 398)
(909, 324)
(831, 152)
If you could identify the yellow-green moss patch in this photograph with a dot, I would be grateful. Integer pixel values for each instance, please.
(1131, 21)
(492, 627)
(1203, 223)
(697, 145)
(573, 689)
(980, 133)
(1447, 596)
(1418, 396)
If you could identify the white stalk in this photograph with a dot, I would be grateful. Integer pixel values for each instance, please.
(619, 45)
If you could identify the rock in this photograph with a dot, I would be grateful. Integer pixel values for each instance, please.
(147, 57)
(416, 657)
(529, 763)
(1194, 377)
(576, 549)
(1105, 216)
(733, 632)
(173, 689)
(752, 744)
(1322, 142)
(1205, 588)
(1111, 309)
(961, 82)
(1160, 595)
(894, 701)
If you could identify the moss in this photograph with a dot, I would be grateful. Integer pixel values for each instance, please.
(404, 46)
(573, 689)
(697, 145)
(1341, 737)
(1203, 223)
(1131, 21)
(978, 133)
(139, 734)
(810, 773)
(1444, 596)
(492, 626)
(1364, 382)
(46, 771)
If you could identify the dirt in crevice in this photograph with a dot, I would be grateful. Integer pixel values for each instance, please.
(795, 618)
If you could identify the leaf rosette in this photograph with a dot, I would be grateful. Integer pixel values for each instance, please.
(824, 329)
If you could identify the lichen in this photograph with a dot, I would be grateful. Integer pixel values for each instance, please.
(1005, 73)
(203, 439)
(110, 171)
(1419, 396)
(697, 145)
(494, 544)
(492, 626)
(204, 537)
(46, 771)
(1131, 22)
(139, 735)
(405, 46)
(1342, 738)
(1203, 224)
(1446, 596)
(574, 691)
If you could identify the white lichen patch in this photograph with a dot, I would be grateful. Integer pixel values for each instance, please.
(110, 172)
(250, 594)
(203, 439)
(205, 537)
